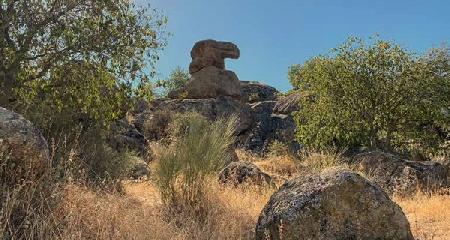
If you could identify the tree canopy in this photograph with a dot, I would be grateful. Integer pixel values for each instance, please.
(378, 95)
(36, 37)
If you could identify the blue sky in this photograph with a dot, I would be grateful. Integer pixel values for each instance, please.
(274, 34)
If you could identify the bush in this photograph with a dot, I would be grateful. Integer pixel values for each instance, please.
(177, 79)
(377, 96)
(199, 148)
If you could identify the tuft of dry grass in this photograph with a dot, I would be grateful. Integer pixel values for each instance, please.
(429, 216)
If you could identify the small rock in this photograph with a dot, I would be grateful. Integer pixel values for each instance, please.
(237, 173)
(337, 204)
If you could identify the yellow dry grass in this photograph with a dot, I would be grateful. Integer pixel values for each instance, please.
(232, 212)
(429, 217)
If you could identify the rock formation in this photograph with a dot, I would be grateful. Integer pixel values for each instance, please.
(209, 79)
(22, 145)
(400, 176)
(237, 173)
(214, 92)
(334, 205)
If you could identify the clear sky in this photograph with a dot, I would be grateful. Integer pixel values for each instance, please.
(274, 34)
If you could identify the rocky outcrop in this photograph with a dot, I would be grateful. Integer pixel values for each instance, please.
(334, 205)
(253, 91)
(237, 173)
(215, 92)
(22, 145)
(399, 176)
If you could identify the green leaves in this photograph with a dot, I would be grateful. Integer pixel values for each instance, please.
(39, 36)
(377, 95)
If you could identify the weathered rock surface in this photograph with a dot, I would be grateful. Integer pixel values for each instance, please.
(211, 82)
(258, 92)
(22, 143)
(400, 176)
(268, 127)
(208, 53)
(237, 173)
(287, 104)
(334, 205)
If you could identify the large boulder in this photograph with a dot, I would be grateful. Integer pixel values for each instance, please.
(211, 82)
(23, 145)
(208, 53)
(399, 176)
(337, 204)
(258, 92)
(237, 173)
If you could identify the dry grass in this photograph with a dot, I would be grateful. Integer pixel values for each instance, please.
(232, 212)
(429, 216)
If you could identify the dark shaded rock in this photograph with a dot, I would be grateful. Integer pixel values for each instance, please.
(334, 205)
(208, 53)
(140, 171)
(268, 127)
(287, 104)
(22, 144)
(400, 176)
(125, 137)
(237, 173)
(258, 92)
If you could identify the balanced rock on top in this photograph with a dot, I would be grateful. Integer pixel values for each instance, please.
(209, 77)
(208, 53)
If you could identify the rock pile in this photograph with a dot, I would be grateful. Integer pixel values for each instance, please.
(334, 205)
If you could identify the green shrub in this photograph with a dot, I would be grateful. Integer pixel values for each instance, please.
(177, 79)
(377, 96)
(277, 148)
(199, 148)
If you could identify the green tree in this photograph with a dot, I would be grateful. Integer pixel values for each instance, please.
(377, 95)
(177, 79)
(36, 37)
